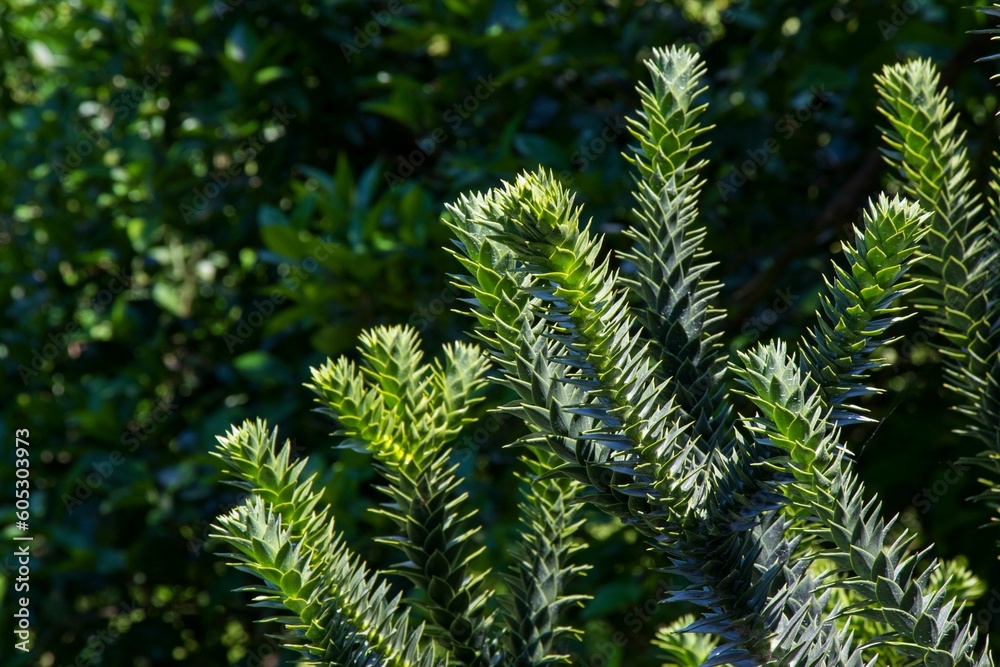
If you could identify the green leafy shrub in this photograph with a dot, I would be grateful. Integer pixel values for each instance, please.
(734, 470)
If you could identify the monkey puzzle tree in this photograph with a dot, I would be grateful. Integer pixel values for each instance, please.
(621, 381)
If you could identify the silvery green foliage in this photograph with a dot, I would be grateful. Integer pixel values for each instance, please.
(742, 508)
(335, 610)
(331, 607)
(622, 384)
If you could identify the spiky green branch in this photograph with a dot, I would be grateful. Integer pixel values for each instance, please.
(855, 538)
(536, 219)
(509, 323)
(405, 412)
(624, 401)
(861, 304)
(543, 565)
(929, 153)
(333, 610)
(674, 295)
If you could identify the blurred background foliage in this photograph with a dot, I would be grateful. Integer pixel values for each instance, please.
(200, 199)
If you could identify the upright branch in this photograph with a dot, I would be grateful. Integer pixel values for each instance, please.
(674, 296)
(589, 315)
(860, 304)
(507, 323)
(333, 610)
(404, 412)
(543, 564)
(878, 567)
(960, 270)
